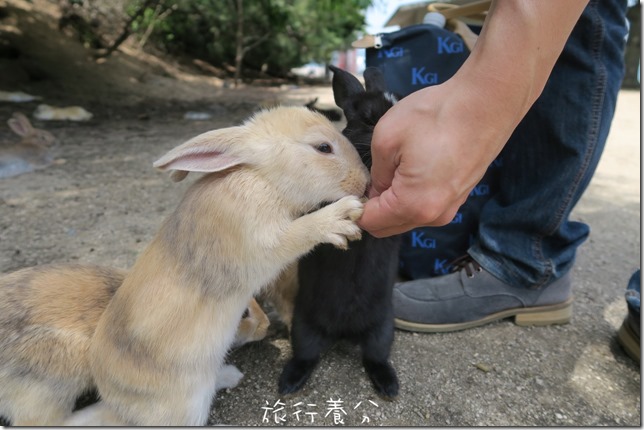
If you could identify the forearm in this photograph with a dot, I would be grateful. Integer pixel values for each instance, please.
(517, 49)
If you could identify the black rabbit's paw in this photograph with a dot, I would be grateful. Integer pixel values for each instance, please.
(383, 377)
(294, 376)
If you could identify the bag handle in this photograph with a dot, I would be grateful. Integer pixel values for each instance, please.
(450, 11)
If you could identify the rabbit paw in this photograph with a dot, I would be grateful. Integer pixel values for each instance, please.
(229, 377)
(338, 224)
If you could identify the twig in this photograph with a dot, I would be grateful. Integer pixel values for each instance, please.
(127, 30)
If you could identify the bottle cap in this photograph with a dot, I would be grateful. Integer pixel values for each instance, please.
(434, 18)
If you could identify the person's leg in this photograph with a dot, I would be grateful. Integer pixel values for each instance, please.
(525, 236)
(526, 243)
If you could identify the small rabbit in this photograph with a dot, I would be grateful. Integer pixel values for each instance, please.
(347, 294)
(59, 306)
(68, 113)
(156, 355)
(17, 97)
(281, 294)
(253, 325)
(31, 153)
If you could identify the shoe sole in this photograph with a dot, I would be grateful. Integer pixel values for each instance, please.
(629, 341)
(560, 313)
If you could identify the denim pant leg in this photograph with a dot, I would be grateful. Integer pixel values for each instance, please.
(525, 236)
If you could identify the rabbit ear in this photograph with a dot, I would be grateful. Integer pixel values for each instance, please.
(208, 152)
(374, 80)
(345, 85)
(20, 124)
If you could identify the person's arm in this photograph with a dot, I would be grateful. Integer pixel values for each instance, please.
(431, 148)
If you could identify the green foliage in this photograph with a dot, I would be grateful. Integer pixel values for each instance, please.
(277, 34)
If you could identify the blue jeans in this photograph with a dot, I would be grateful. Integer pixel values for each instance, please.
(525, 235)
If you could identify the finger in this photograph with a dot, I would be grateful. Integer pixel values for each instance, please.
(393, 231)
(380, 214)
(383, 224)
(383, 164)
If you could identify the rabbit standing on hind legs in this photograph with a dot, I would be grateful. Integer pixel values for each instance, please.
(348, 294)
(157, 352)
(159, 345)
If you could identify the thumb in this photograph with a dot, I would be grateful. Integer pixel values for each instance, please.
(381, 215)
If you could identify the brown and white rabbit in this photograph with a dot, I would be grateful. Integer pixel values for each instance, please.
(31, 153)
(47, 317)
(157, 353)
(253, 325)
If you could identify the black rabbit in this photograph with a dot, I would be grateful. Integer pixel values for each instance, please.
(347, 294)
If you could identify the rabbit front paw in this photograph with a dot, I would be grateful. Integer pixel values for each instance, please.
(338, 221)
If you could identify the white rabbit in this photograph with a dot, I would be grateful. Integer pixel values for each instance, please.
(31, 153)
(68, 113)
(156, 356)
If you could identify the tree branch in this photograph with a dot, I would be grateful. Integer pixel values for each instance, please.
(128, 28)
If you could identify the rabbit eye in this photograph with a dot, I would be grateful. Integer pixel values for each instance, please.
(325, 148)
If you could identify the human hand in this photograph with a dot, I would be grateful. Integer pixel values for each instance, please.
(429, 151)
(431, 148)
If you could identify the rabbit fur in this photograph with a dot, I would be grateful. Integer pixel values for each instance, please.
(47, 317)
(281, 294)
(347, 294)
(156, 354)
(31, 153)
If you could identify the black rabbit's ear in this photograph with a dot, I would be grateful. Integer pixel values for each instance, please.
(345, 85)
(374, 80)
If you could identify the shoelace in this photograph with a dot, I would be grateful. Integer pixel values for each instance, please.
(466, 263)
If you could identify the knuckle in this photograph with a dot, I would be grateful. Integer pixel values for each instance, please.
(381, 139)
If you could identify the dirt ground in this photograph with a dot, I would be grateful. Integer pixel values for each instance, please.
(104, 165)
(102, 203)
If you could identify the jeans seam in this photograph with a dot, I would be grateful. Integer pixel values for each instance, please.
(591, 138)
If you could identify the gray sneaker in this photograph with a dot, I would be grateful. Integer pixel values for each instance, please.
(470, 297)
